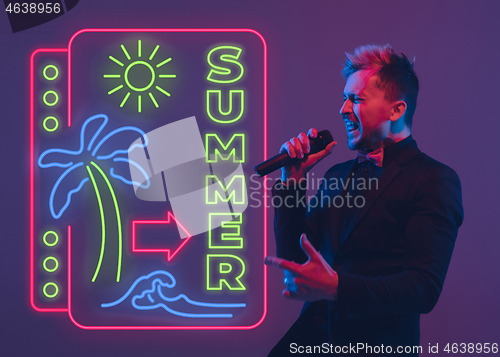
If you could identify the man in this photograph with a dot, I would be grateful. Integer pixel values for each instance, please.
(381, 263)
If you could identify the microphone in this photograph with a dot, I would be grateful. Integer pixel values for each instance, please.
(317, 144)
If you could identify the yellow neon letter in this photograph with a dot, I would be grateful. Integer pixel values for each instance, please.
(229, 116)
(232, 240)
(228, 269)
(214, 146)
(216, 195)
(228, 54)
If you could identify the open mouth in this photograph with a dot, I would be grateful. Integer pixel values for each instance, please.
(351, 126)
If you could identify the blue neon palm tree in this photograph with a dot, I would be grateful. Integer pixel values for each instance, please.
(74, 161)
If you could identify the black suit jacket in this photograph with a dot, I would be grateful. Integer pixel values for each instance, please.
(393, 261)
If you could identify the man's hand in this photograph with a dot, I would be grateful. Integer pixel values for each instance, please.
(298, 147)
(313, 280)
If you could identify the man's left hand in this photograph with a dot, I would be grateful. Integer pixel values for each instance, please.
(313, 280)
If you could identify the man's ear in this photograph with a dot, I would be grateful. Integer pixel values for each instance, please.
(398, 110)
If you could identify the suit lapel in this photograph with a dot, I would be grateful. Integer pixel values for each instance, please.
(335, 212)
(384, 181)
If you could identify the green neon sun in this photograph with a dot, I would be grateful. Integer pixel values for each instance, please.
(139, 76)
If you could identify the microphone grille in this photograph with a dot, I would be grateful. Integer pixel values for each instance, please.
(325, 138)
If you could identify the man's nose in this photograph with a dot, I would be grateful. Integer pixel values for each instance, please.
(346, 107)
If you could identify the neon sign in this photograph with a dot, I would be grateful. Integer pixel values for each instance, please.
(139, 215)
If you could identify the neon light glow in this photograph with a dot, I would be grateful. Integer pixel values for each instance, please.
(70, 193)
(115, 89)
(148, 66)
(32, 246)
(231, 240)
(46, 76)
(126, 98)
(55, 263)
(118, 220)
(235, 196)
(52, 233)
(164, 62)
(82, 182)
(219, 74)
(73, 167)
(229, 116)
(154, 52)
(225, 268)
(163, 91)
(51, 286)
(225, 264)
(170, 255)
(53, 120)
(103, 224)
(54, 102)
(138, 66)
(128, 182)
(116, 61)
(125, 51)
(213, 147)
(153, 99)
(159, 299)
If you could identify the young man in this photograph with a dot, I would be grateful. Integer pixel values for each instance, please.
(370, 252)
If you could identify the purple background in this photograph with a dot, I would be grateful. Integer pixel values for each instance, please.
(456, 49)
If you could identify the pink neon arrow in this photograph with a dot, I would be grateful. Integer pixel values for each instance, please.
(170, 256)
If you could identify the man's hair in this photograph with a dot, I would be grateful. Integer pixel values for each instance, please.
(395, 74)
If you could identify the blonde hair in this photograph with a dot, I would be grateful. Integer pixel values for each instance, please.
(396, 76)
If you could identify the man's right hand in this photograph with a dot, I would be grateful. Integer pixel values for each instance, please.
(297, 147)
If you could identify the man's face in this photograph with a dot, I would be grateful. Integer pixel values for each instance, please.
(365, 112)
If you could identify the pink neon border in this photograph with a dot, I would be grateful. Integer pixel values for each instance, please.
(32, 180)
(69, 227)
(167, 251)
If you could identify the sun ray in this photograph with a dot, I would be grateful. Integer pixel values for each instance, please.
(115, 89)
(139, 49)
(124, 100)
(153, 99)
(164, 62)
(116, 61)
(167, 76)
(112, 76)
(154, 52)
(126, 53)
(139, 104)
(163, 91)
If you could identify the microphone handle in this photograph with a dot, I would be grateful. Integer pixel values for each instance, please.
(283, 159)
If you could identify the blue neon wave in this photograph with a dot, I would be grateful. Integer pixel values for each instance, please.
(74, 152)
(70, 193)
(137, 281)
(128, 182)
(116, 131)
(156, 285)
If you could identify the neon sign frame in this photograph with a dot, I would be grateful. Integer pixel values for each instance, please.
(32, 180)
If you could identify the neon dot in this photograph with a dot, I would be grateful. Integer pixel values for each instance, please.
(56, 264)
(56, 238)
(54, 126)
(152, 76)
(56, 72)
(55, 288)
(56, 98)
